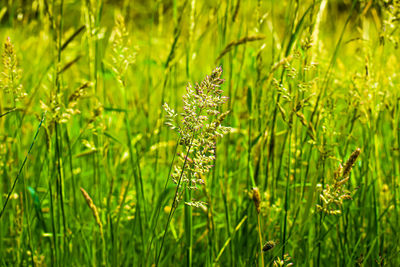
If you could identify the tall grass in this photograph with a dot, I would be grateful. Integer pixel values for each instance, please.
(308, 84)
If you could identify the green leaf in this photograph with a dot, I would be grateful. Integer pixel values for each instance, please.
(249, 99)
(38, 207)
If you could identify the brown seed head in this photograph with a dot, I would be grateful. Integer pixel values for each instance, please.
(93, 207)
(349, 164)
(257, 199)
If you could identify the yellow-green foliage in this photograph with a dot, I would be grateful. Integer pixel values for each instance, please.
(308, 85)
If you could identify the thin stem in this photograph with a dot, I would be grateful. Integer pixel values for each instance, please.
(261, 242)
(189, 227)
(22, 166)
(159, 206)
(174, 202)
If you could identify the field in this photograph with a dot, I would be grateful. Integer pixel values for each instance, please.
(199, 133)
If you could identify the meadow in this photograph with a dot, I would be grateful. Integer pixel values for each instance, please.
(199, 133)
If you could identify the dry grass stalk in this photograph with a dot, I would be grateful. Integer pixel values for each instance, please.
(93, 207)
(241, 41)
(350, 162)
(257, 199)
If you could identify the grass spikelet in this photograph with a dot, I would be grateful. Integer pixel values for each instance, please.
(257, 199)
(333, 195)
(95, 212)
(284, 262)
(11, 76)
(123, 54)
(350, 162)
(60, 112)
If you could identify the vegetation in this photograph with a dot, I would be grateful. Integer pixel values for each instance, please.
(284, 148)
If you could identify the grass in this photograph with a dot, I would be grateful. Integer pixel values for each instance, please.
(90, 182)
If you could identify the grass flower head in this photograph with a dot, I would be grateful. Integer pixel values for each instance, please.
(199, 127)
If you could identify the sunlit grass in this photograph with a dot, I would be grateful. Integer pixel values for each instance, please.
(309, 84)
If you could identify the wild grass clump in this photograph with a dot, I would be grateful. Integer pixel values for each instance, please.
(333, 196)
(305, 82)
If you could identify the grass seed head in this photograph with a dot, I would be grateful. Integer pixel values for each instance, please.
(257, 199)
(10, 80)
(95, 212)
(333, 196)
(350, 162)
(199, 127)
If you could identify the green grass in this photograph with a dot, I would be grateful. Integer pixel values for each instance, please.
(308, 83)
